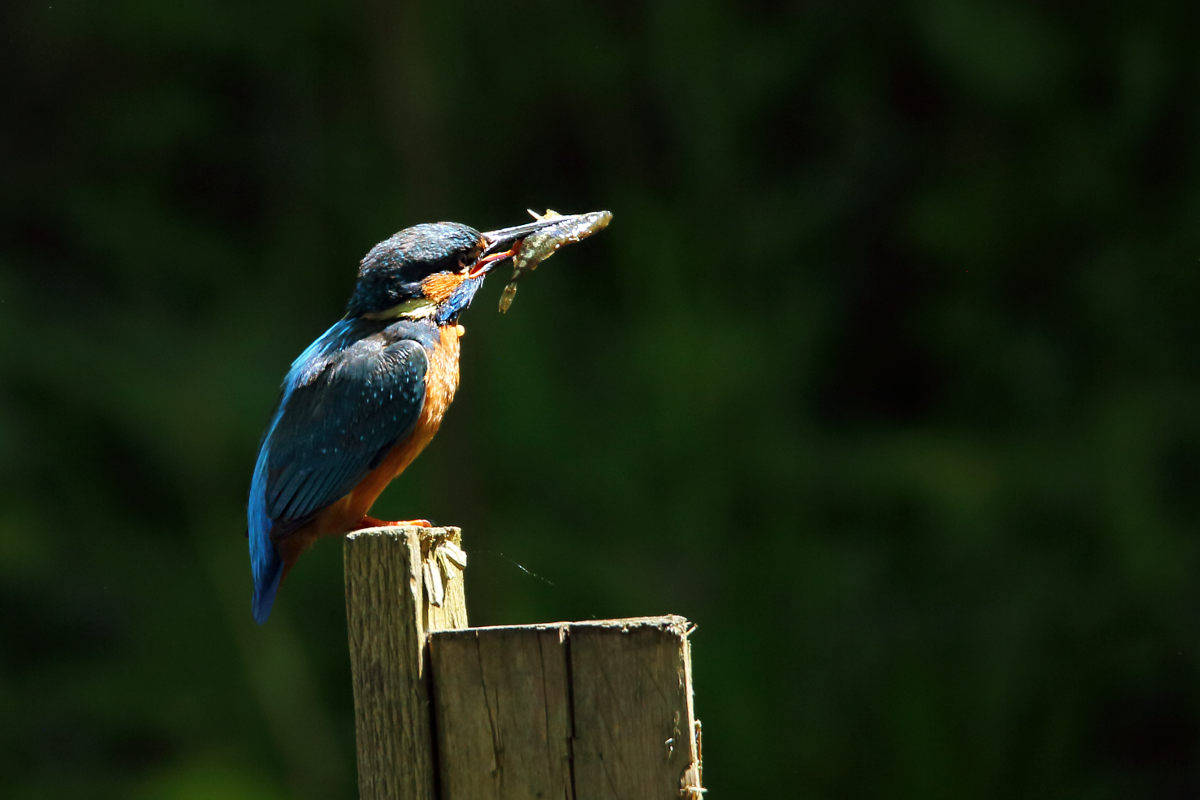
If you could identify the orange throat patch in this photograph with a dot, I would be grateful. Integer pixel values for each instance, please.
(439, 286)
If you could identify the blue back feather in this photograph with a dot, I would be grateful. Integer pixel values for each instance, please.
(346, 400)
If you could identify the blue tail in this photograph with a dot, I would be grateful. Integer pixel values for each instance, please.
(265, 563)
(266, 583)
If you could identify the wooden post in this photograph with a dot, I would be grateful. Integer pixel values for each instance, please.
(574, 710)
(583, 710)
(393, 575)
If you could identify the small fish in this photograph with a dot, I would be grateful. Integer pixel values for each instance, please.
(506, 297)
(540, 245)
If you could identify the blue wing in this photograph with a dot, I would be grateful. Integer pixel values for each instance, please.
(346, 401)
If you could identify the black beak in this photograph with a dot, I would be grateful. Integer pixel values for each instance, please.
(508, 236)
(503, 243)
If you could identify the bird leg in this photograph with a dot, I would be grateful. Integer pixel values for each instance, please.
(372, 522)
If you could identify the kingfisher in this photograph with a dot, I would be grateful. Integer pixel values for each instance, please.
(363, 400)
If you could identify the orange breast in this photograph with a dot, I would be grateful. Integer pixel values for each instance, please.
(441, 381)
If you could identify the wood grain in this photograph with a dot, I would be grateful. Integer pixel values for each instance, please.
(387, 612)
(634, 725)
(566, 710)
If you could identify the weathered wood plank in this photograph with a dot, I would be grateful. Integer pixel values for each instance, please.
(387, 611)
(502, 711)
(633, 718)
(567, 710)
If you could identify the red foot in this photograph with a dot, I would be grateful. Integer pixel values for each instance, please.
(371, 522)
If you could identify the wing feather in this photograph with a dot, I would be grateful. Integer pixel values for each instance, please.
(334, 428)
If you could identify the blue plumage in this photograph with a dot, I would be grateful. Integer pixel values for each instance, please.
(347, 399)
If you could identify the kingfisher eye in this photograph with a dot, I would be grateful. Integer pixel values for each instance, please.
(467, 258)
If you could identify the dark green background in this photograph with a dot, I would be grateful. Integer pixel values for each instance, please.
(883, 375)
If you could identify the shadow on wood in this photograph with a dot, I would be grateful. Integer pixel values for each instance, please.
(577, 710)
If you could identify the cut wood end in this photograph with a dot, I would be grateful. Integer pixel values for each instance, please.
(394, 532)
(673, 623)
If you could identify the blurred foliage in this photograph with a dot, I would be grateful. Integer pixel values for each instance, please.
(882, 375)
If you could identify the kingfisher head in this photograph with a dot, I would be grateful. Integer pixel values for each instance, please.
(431, 270)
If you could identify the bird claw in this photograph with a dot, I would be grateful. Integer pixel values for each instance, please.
(372, 522)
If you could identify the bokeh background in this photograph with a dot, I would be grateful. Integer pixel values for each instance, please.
(883, 375)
